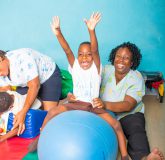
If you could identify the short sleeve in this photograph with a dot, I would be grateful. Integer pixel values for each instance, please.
(70, 69)
(103, 73)
(3, 81)
(75, 67)
(136, 90)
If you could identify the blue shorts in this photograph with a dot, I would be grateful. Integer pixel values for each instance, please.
(50, 90)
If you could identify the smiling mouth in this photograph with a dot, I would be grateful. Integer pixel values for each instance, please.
(85, 63)
(120, 66)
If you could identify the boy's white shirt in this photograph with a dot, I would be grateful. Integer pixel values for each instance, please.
(18, 104)
(86, 83)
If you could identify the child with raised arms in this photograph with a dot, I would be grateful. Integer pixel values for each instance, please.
(86, 75)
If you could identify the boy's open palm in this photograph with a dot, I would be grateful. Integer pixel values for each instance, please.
(55, 25)
(92, 22)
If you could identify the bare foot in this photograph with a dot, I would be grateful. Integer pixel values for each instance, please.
(33, 146)
(155, 155)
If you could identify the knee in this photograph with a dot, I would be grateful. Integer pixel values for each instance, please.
(137, 128)
(134, 123)
(53, 111)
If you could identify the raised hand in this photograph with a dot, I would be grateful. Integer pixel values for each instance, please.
(55, 25)
(92, 22)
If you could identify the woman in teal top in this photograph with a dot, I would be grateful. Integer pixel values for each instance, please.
(122, 90)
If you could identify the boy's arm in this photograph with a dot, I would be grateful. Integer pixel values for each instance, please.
(9, 134)
(91, 24)
(55, 25)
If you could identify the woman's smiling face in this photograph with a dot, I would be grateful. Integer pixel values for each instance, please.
(123, 61)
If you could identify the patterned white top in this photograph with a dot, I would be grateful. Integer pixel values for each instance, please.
(86, 83)
(26, 64)
(132, 84)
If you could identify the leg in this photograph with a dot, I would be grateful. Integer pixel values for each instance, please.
(134, 128)
(48, 105)
(51, 113)
(50, 90)
(120, 135)
(33, 146)
(8, 135)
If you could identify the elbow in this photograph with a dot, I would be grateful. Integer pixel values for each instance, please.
(129, 107)
(34, 88)
(67, 50)
(107, 105)
(37, 87)
(34, 84)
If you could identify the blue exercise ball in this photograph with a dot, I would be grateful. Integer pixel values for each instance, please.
(77, 135)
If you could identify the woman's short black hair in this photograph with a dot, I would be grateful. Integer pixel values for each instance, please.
(6, 101)
(136, 55)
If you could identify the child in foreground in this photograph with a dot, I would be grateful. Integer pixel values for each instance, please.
(86, 75)
(11, 102)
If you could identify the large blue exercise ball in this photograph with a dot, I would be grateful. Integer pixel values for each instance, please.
(77, 135)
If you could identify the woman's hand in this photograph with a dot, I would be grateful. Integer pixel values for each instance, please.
(71, 97)
(55, 25)
(98, 103)
(19, 119)
(19, 122)
(92, 22)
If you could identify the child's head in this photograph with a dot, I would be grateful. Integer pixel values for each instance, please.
(85, 58)
(6, 101)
